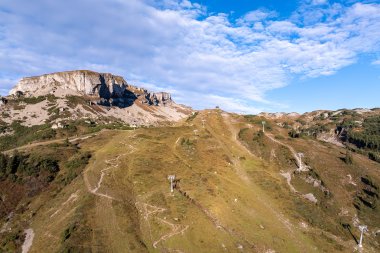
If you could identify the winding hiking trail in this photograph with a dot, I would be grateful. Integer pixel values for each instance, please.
(300, 164)
(301, 168)
(111, 164)
(149, 211)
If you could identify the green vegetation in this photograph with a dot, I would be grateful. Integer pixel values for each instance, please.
(348, 159)
(294, 134)
(77, 231)
(24, 135)
(257, 120)
(374, 156)
(366, 200)
(73, 101)
(365, 137)
(369, 136)
(11, 241)
(258, 137)
(186, 142)
(15, 103)
(19, 166)
(75, 166)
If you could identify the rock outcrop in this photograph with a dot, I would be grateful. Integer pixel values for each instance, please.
(109, 89)
(278, 115)
(3, 101)
(158, 98)
(98, 97)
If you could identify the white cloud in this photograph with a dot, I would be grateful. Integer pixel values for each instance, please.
(5, 85)
(318, 2)
(173, 45)
(258, 15)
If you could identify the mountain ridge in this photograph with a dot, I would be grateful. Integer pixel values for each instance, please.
(88, 94)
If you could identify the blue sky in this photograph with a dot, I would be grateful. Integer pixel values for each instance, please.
(245, 56)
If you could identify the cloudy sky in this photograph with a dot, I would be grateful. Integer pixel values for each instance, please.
(245, 56)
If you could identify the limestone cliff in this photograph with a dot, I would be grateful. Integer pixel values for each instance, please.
(108, 88)
(99, 97)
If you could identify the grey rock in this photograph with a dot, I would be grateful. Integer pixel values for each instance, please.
(109, 89)
(3, 100)
(158, 98)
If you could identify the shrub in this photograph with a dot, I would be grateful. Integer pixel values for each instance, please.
(294, 134)
(374, 156)
(20, 165)
(75, 165)
(348, 158)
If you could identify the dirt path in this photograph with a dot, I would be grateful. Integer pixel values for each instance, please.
(44, 143)
(29, 236)
(73, 197)
(301, 167)
(242, 173)
(176, 229)
(111, 164)
(288, 177)
(151, 211)
(300, 164)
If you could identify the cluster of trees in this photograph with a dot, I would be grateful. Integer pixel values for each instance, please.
(365, 137)
(369, 137)
(363, 140)
(310, 131)
(20, 165)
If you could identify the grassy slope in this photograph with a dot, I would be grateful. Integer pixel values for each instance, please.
(327, 164)
(235, 201)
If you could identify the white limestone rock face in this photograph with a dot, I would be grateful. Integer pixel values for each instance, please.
(106, 95)
(79, 81)
(109, 89)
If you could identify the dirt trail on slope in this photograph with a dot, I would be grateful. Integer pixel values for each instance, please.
(111, 164)
(301, 166)
(149, 211)
(217, 223)
(73, 197)
(44, 143)
(29, 236)
(243, 174)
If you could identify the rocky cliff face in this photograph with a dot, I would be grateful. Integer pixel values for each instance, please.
(158, 98)
(111, 90)
(99, 97)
